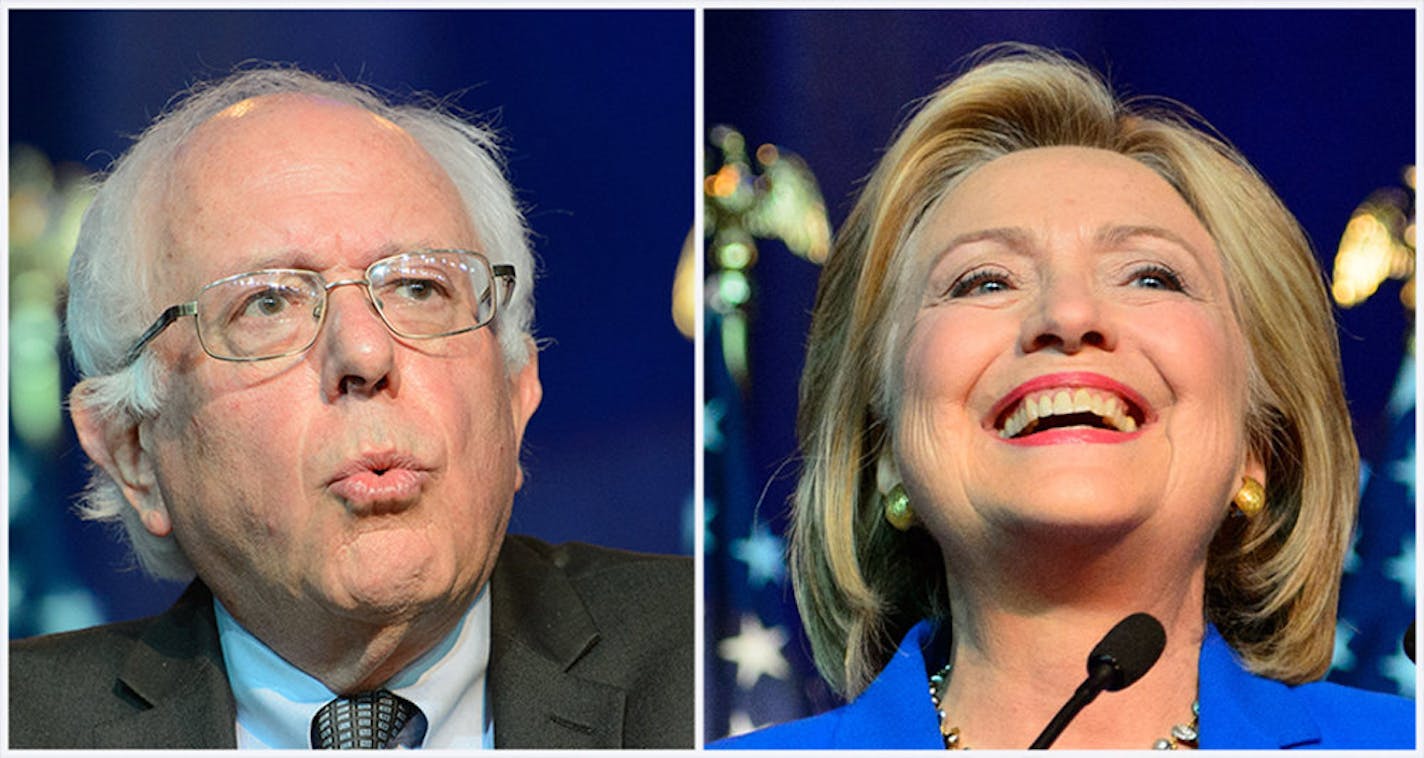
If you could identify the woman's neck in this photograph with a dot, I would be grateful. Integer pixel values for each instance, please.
(1023, 629)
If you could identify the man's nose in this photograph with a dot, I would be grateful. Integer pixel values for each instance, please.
(358, 349)
(1068, 315)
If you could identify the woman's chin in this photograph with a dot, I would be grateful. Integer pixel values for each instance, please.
(1070, 515)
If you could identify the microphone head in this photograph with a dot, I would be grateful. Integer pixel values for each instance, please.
(1129, 649)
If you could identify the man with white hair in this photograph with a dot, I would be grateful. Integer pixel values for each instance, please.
(301, 315)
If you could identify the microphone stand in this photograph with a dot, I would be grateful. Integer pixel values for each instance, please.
(1125, 653)
(1087, 692)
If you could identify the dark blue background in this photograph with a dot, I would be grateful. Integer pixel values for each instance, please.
(596, 111)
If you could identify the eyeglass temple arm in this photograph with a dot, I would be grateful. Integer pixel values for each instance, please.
(171, 314)
(504, 272)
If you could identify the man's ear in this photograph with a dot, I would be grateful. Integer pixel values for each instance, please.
(114, 442)
(525, 392)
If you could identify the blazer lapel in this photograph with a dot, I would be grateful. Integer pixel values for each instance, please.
(540, 630)
(176, 678)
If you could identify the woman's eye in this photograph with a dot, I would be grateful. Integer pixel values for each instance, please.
(1157, 278)
(980, 282)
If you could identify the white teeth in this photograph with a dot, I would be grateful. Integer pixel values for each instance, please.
(1059, 402)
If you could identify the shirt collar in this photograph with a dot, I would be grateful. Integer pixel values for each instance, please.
(276, 700)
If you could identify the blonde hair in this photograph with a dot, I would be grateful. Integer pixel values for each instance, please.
(1272, 581)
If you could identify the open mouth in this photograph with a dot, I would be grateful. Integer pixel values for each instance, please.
(1067, 407)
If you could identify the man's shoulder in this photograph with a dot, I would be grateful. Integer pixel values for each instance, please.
(579, 558)
(601, 572)
(85, 688)
(56, 677)
(98, 647)
(575, 625)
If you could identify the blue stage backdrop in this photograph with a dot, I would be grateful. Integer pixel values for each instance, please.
(1321, 102)
(596, 111)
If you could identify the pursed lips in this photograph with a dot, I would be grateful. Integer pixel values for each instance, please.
(379, 482)
(1070, 406)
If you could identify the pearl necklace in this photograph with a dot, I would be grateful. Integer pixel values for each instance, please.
(1182, 735)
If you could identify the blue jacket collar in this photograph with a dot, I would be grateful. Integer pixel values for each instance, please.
(1242, 710)
(884, 702)
(1238, 709)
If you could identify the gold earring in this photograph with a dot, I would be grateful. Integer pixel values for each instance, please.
(897, 508)
(1251, 498)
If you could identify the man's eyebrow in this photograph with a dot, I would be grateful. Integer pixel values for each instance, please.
(300, 258)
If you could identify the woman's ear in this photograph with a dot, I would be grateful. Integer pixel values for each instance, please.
(887, 473)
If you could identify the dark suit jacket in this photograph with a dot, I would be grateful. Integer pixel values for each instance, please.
(590, 648)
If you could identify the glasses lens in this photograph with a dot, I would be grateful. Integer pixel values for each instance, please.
(430, 294)
(263, 314)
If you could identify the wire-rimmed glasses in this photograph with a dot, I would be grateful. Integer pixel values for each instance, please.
(273, 313)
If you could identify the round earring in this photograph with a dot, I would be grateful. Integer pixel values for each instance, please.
(1251, 498)
(897, 508)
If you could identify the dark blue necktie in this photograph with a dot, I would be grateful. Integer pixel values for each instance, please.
(368, 720)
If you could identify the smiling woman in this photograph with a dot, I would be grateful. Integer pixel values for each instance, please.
(1085, 336)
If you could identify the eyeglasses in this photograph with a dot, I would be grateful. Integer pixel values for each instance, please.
(274, 313)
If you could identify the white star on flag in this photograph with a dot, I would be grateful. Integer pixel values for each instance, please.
(740, 722)
(762, 552)
(756, 651)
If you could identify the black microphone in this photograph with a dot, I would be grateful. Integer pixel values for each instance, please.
(1409, 642)
(1123, 656)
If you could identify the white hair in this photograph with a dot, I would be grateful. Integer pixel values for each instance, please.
(111, 284)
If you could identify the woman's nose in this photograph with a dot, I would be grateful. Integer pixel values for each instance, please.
(1068, 315)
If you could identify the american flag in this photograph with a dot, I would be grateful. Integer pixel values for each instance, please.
(1377, 596)
(757, 670)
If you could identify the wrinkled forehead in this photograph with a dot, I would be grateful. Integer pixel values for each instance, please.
(294, 171)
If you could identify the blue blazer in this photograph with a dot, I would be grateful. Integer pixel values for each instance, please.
(1238, 710)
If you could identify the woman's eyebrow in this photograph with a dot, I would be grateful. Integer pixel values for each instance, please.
(1014, 237)
(1115, 235)
(1108, 236)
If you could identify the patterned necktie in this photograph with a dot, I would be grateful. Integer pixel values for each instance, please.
(366, 720)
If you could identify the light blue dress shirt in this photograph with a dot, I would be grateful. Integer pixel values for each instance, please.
(276, 700)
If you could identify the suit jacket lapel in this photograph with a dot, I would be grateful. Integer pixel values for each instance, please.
(540, 630)
(176, 678)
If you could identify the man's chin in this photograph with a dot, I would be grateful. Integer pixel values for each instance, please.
(381, 582)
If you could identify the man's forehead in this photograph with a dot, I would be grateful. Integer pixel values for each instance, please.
(288, 110)
(250, 181)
